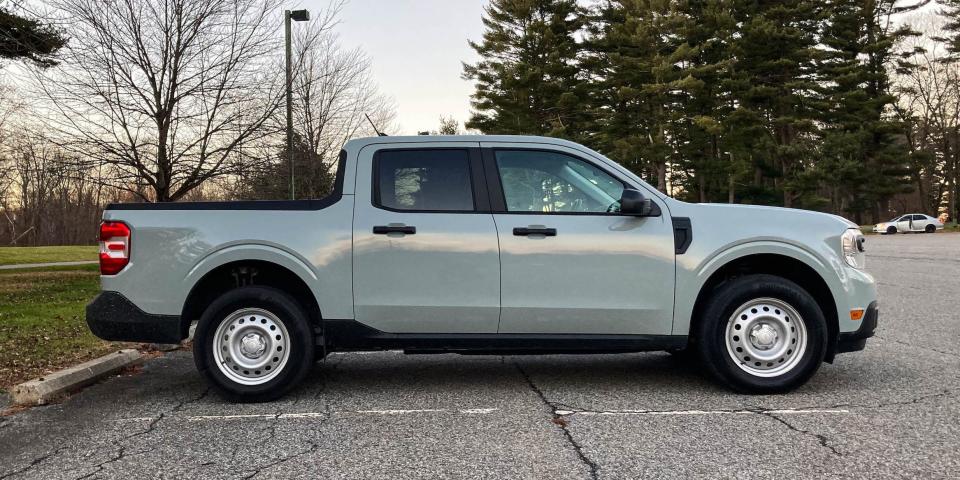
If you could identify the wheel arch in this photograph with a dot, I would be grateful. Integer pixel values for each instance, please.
(785, 261)
(239, 266)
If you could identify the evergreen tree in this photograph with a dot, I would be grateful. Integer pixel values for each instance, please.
(773, 83)
(714, 153)
(313, 177)
(861, 155)
(951, 11)
(28, 39)
(637, 58)
(527, 79)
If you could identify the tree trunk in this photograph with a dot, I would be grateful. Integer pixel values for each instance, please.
(731, 190)
(662, 177)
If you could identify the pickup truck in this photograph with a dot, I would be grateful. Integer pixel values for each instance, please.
(483, 245)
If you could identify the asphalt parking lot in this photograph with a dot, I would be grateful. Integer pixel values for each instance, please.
(892, 411)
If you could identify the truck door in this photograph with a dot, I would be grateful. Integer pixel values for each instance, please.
(569, 262)
(425, 257)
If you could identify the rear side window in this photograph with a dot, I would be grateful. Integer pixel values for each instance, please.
(919, 217)
(423, 180)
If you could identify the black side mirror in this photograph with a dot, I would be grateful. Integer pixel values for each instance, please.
(632, 202)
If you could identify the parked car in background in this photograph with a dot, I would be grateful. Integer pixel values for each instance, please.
(911, 222)
(484, 245)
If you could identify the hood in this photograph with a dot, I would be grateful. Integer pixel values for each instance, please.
(779, 215)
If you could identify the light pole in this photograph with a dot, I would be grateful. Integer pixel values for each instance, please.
(297, 16)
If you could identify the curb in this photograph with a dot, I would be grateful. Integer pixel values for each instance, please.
(41, 391)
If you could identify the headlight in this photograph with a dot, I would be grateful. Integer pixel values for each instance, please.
(853, 248)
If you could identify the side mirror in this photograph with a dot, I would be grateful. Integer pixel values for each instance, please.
(632, 202)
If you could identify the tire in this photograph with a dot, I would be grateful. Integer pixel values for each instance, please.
(930, 229)
(891, 230)
(765, 363)
(272, 356)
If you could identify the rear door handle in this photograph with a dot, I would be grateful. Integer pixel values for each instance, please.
(385, 229)
(524, 231)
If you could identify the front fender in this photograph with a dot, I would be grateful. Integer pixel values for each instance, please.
(693, 273)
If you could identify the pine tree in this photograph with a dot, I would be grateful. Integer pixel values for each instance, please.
(713, 152)
(28, 39)
(861, 154)
(951, 12)
(527, 79)
(772, 85)
(636, 54)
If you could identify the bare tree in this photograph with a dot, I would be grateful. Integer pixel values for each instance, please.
(333, 89)
(929, 103)
(165, 92)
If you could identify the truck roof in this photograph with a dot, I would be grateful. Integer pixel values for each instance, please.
(362, 142)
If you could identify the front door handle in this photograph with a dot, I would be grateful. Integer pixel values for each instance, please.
(385, 229)
(524, 231)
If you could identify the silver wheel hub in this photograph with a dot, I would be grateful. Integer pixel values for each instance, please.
(250, 346)
(763, 336)
(766, 337)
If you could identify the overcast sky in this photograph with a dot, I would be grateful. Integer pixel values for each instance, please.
(416, 47)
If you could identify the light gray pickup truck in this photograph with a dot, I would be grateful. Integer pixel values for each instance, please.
(483, 245)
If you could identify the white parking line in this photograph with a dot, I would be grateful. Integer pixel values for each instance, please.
(485, 411)
(285, 416)
(698, 412)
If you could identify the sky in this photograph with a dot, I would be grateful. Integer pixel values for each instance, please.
(416, 47)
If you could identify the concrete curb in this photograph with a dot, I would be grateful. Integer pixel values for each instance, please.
(18, 266)
(40, 391)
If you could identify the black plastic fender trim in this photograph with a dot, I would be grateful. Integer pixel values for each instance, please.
(682, 234)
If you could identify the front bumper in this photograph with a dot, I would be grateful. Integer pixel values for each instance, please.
(111, 316)
(856, 341)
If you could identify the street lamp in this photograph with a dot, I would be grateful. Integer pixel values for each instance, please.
(297, 16)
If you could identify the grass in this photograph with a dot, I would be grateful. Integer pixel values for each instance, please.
(70, 253)
(42, 326)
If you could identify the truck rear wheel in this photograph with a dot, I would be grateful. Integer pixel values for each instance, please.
(762, 334)
(253, 344)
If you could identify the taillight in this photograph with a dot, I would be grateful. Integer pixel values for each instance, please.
(114, 247)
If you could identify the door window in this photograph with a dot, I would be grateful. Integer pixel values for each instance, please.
(423, 180)
(919, 217)
(552, 182)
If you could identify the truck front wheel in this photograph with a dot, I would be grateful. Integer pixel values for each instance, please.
(762, 334)
(253, 344)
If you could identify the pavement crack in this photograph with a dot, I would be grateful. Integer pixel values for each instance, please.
(33, 463)
(122, 449)
(311, 449)
(561, 423)
(323, 374)
(312, 446)
(912, 401)
(822, 439)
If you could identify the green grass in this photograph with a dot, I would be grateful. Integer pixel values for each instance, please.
(70, 253)
(42, 326)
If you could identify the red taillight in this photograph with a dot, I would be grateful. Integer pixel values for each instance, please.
(114, 247)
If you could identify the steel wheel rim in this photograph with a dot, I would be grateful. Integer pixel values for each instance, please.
(766, 337)
(251, 346)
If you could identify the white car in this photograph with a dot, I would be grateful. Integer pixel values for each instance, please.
(911, 222)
